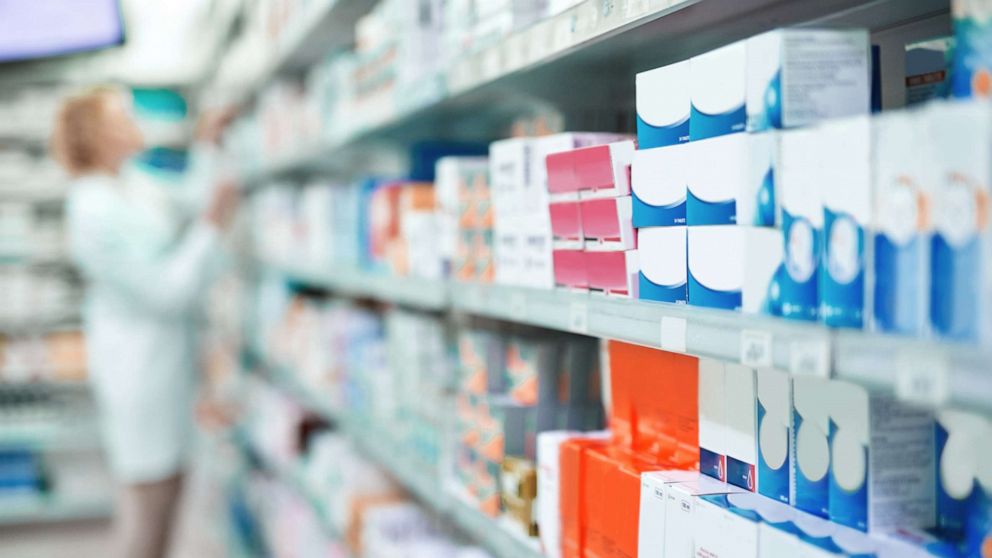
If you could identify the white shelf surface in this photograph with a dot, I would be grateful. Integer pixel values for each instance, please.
(595, 47)
(408, 291)
(931, 373)
(498, 536)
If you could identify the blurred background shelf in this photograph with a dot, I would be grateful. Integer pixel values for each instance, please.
(50, 509)
(594, 47)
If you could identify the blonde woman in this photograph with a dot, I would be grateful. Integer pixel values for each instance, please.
(144, 283)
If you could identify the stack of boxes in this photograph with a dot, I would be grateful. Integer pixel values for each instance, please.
(654, 424)
(709, 161)
(591, 218)
(511, 389)
(466, 218)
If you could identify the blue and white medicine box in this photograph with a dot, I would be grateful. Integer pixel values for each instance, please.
(658, 181)
(799, 170)
(734, 267)
(876, 443)
(718, 92)
(959, 437)
(844, 180)
(774, 407)
(961, 249)
(902, 186)
(732, 181)
(797, 77)
(971, 68)
(663, 105)
(810, 489)
(663, 264)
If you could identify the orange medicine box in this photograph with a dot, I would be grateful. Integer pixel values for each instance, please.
(655, 410)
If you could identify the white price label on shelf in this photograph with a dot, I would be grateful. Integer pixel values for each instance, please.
(756, 348)
(673, 334)
(923, 378)
(578, 317)
(518, 307)
(810, 357)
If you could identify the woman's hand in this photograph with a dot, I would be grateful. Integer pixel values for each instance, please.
(223, 204)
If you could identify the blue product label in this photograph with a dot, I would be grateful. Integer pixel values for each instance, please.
(649, 290)
(978, 534)
(848, 507)
(712, 464)
(898, 285)
(703, 125)
(797, 278)
(772, 483)
(842, 285)
(770, 115)
(649, 136)
(954, 288)
(701, 212)
(812, 496)
(700, 295)
(970, 71)
(951, 512)
(647, 215)
(764, 216)
(740, 474)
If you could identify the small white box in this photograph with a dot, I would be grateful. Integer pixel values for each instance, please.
(651, 519)
(713, 418)
(663, 105)
(797, 77)
(536, 246)
(734, 267)
(509, 161)
(680, 506)
(876, 443)
(759, 204)
(718, 92)
(902, 186)
(774, 408)
(723, 533)
(810, 491)
(718, 179)
(802, 224)
(548, 486)
(961, 261)
(659, 178)
(845, 188)
(741, 438)
(663, 264)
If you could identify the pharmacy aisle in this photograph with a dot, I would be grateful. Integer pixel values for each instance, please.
(632, 279)
(510, 279)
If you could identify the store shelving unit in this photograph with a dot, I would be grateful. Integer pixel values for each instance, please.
(327, 26)
(927, 372)
(379, 446)
(549, 61)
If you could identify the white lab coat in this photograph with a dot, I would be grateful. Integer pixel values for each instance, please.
(144, 284)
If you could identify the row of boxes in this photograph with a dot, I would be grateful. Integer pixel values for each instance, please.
(825, 450)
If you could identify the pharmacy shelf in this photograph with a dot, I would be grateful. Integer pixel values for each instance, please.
(20, 510)
(378, 445)
(326, 26)
(595, 47)
(71, 321)
(930, 373)
(407, 291)
(291, 476)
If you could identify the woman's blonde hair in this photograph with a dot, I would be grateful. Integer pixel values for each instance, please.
(76, 134)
